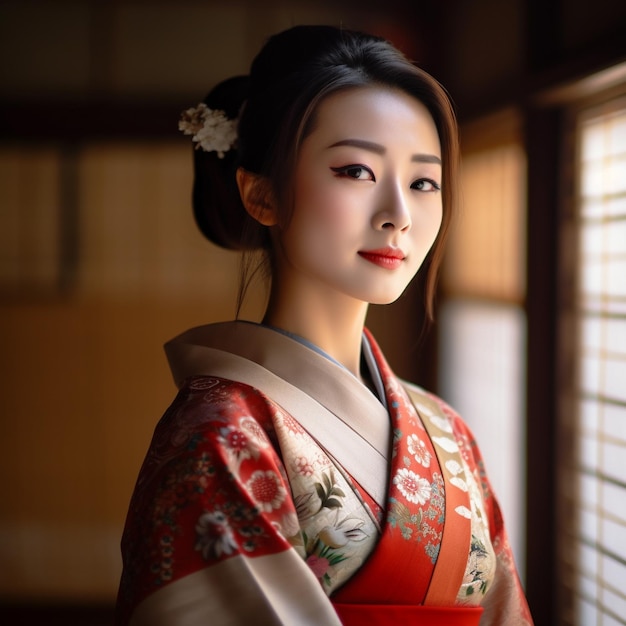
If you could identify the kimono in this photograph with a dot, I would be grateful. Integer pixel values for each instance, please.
(279, 489)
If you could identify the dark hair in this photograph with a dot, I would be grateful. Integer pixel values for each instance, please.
(276, 106)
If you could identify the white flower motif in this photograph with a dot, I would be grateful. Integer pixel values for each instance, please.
(333, 537)
(302, 466)
(266, 489)
(289, 424)
(423, 409)
(454, 467)
(458, 474)
(449, 445)
(289, 525)
(463, 511)
(215, 536)
(342, 533)
(459, 483)
(414, 488)
(441, 423)
(235, 440)
(211, 129)
(254, 430)
(418, 449)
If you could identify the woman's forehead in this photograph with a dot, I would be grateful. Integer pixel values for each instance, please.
(374, 113)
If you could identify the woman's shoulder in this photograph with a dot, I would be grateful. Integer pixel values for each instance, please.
(209, 403)
(211, 425)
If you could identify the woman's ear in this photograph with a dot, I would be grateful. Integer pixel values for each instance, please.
(256, 197)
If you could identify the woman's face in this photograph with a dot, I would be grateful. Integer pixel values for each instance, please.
(367, 200)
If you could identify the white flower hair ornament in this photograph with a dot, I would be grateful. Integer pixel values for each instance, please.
(212, 131)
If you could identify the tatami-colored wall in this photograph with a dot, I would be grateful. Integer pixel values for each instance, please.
(84, 377)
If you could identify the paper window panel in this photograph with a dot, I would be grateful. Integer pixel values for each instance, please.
(481, 374)
(599, 532)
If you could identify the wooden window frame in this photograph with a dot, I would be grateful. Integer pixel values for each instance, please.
(551, 288)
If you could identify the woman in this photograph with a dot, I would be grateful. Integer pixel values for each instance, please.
(295, 479)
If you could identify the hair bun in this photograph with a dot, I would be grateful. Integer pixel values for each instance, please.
(229, 95)
(217, 206)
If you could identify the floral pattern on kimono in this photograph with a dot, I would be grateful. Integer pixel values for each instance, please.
(230, 473)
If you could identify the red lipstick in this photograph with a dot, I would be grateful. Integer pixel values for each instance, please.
(388, 258)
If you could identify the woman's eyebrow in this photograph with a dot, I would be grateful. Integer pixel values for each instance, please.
(376, 148)
(361, 143)
(426, 158)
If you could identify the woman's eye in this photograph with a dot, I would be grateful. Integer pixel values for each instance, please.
(358, 172)
(425, 184)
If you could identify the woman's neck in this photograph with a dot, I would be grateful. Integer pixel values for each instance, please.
(335, 325)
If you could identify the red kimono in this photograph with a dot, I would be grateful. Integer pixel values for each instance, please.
(278, 489)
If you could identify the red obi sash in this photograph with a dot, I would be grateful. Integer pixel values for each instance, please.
(392, 615)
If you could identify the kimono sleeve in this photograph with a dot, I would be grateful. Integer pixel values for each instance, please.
(212, 530)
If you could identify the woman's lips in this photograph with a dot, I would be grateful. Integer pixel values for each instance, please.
(389, 258)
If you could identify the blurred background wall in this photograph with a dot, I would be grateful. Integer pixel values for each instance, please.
(100, 262)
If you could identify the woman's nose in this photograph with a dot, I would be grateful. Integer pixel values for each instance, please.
(393, 212)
